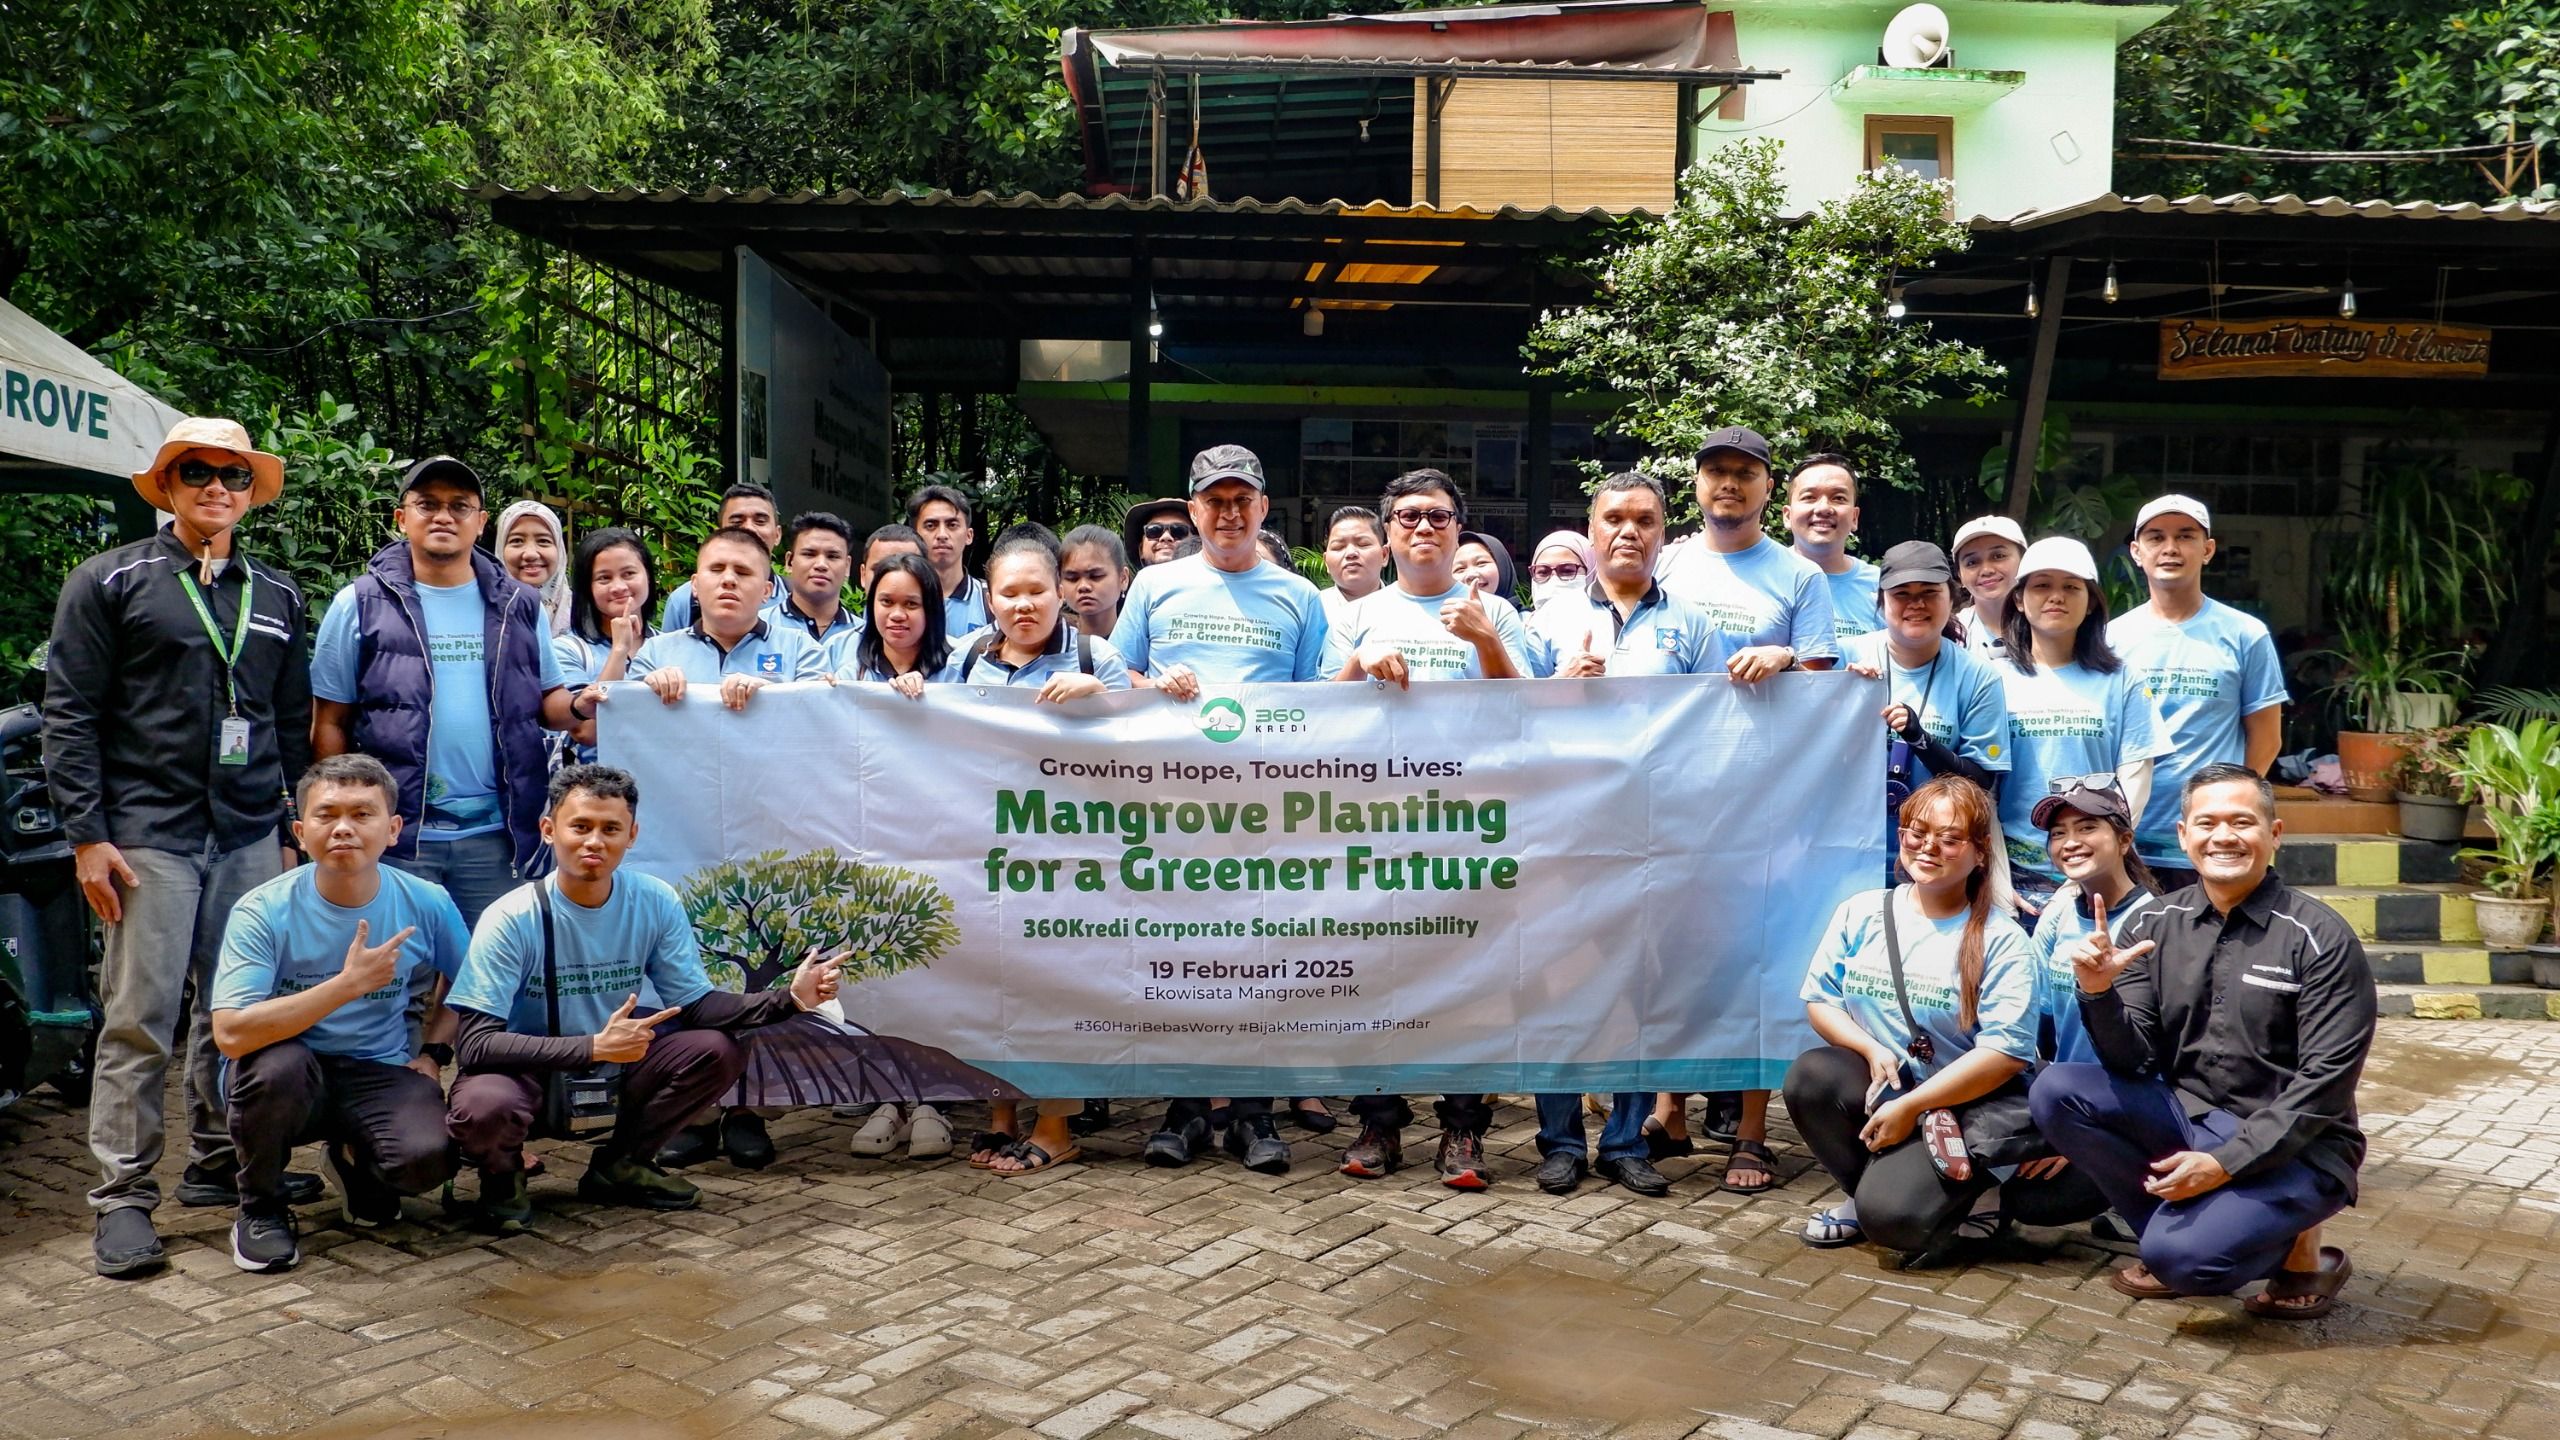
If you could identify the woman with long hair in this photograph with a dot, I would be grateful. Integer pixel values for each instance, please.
(1876, 1103)
(2075, 711)
(1093, 571)
(611, 584)
(903, 641)
(2089, 833)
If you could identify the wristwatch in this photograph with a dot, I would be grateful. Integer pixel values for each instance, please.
(438, 1051)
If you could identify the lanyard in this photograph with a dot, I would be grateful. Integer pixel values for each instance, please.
(239, 646)
(1928, 682)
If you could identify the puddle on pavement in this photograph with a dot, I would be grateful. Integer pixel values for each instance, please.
(1582, 1347)
(2403, 1075)
(661, 1291)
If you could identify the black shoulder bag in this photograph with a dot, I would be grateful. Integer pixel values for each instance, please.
(575, 1103)
(1998, 1129)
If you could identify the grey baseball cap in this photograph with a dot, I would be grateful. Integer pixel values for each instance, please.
(1226, 462)
(1914, 562)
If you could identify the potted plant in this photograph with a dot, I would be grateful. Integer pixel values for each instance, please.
(2380, 680)
(2516, 774)
(2427, 781)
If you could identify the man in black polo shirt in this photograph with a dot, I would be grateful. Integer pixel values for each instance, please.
(2233, 1022)
(177, 710)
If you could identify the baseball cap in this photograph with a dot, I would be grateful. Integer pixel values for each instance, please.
(2193, 509)
(2103, 802)
(440, 470)
(1225, 462)
(2059, 552)
(1913, 562)
(1734, 437)
(1997, 526)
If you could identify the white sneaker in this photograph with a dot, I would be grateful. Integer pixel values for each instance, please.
(929, 1135)
(881, 1133)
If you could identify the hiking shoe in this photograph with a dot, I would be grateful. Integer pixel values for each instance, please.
(202, 1188)
(1376, 1154)
(1177, 1145)
(126, 1245)
(365, 1203)
(1561, 1172)
(625, 1181)
(1461, 1160)
(506, 1206)
(262, 1241)
(1252, 1140)
(693, 1145)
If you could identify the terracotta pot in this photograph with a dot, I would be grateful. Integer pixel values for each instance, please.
(2509, 924)
(2432, 817)
(2367, 758)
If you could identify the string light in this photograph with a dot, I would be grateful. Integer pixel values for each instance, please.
(2112, 291)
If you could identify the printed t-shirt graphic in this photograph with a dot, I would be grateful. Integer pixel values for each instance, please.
(2068, 720)
(285, 937)
(1850, 970)
(1412, 624)
(640, 933)
(1766, 595)
(2205, 674)
(1262, 624)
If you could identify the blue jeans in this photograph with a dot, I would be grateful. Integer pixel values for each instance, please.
(2113, 1126)
(1560, 1125)
(475, 870)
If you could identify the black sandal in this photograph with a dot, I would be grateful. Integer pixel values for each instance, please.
(1751, 1153)
(1659, 1146)
(986, 1145)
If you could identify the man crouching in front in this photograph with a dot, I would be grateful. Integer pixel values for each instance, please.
(601, 934)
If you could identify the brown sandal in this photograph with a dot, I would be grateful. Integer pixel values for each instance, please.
(2137, 1281)
(1034, 1158)
(1750, 1155)
(2320, 1287)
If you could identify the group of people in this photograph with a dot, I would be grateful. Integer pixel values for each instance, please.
(2106, 1003)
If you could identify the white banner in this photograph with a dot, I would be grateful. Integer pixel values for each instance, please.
(1508, 886)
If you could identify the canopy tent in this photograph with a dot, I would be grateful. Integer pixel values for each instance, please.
(60, 410)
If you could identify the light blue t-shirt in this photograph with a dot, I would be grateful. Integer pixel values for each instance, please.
(835, 642)
(462, 766)
(1766, 595)
(678, 611)
(964, 611)
(1411, 623)
(285, 937)
(604, 956)
(2068, 721)
(1958, 698)
(1664, 635)
(1059, 659)
(581, 660)
(1853, 598)
(1850, 970)
(2206, 674)
(772, 652)
(2064, 923)
(1231, 627)
(1982, 638)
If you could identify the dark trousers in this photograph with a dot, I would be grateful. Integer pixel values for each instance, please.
(2114, 1126)
(1473, 1113)
(288, 1095)
(493, 1112)
(1903, 1202)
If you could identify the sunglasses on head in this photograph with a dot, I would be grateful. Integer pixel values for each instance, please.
(2105, 780)
(196, 474)
(1163, 530)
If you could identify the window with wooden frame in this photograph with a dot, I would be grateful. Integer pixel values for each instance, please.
(1922, 144)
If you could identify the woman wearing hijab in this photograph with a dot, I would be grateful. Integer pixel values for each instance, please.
(535, 550)
(1562, 567)
(1485, 564)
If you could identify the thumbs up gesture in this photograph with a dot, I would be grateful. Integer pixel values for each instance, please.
(2097, 961)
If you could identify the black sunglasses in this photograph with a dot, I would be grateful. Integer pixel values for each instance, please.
(196, 474)
(1160, 531)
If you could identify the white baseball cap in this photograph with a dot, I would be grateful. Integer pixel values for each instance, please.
(1997, 526)
(2058, 552)
(2174, 505)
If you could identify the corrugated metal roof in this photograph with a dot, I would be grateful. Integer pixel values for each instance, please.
(1024, 200)
(2326, 207)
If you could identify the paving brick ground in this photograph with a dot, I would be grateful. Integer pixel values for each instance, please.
(834, 1297)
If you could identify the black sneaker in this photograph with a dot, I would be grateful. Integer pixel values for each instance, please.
(1096, 1118)
(366, 1203)
(693, 1145)
(204, 1189)
(1175, 1145)
(262, 1241)
(744, 1141)
(125, 1245)
(1252, 1140)
(1376, 1153)
(1561, 1172)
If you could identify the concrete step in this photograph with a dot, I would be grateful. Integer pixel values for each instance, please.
(2407, 913)
(2470, 1002)
(2402, 963)
(2366, 860)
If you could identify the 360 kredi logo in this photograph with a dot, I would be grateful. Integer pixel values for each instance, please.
(1221, 719)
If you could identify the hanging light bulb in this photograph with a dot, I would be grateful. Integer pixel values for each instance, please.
(2347, 300)
(1311, 324)
(2033, 309)
(1894, 309)
(2112, 291)
(1155, 322)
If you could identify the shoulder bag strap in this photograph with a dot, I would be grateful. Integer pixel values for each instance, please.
(978, 649)
(551, 968)
(1893, 959)
(1084, 652)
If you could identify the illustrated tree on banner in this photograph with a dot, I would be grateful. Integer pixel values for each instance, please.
(755, 917)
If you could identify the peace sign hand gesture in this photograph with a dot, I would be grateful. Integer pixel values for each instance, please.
(2096, 962)
(370, 967)
(625, 1037)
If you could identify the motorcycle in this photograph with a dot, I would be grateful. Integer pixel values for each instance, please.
(48, 998)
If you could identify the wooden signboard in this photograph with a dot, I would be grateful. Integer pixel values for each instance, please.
(2201, 349)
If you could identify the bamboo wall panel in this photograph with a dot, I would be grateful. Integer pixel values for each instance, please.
(1547, 142)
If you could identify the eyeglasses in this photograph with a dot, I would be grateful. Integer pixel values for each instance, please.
(1417, 518)
(196, 474)
(1919, 839)
(1164, 531)
(1556, 572)
(2104, 780)
(458, 509)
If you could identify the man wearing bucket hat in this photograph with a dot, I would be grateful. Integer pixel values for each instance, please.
(177, 711)
(1154, 529)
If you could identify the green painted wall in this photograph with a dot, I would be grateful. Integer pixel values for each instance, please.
(2048, 143)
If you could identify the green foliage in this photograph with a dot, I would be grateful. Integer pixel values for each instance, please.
(1723, 313)
(2375, 668)
(573, 92)
(2433, 764)
(2337, 75)
(757, 917)
(337, 508)
(2424, 568)
(2513, 705)
(40, 536)
(2516, 774)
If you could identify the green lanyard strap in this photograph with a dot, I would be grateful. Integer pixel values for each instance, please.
(239, 646)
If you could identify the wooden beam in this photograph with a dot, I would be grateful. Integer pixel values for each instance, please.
(2030, 432)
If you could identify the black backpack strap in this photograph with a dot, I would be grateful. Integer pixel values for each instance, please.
(1084, 652)
(551, 967)
(978, 649)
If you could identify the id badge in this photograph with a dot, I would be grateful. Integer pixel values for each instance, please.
(232, 745)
